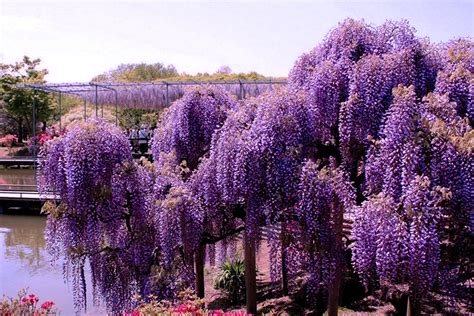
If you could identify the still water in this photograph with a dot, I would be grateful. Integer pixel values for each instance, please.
(25, 262)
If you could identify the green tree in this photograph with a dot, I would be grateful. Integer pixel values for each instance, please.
(138, 72)
(18, 102)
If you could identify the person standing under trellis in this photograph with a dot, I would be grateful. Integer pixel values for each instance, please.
(133, 137)
(143, 139)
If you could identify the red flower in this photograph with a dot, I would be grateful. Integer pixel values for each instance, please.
(47, 305)
(24, 300)
(184, 308)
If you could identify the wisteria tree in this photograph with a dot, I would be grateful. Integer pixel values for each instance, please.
(374, 129)
(101, 215)
(181, 142)
(371, 92)
(381, 137)
(250, 174)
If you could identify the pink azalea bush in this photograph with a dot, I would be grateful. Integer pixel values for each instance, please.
(184, 310)
(42, 138)
(188, 304)
(26, 305)
(8, 140)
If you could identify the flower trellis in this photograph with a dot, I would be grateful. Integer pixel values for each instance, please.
(150, 95)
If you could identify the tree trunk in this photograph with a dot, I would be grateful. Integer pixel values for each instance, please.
(20, 131)
(284, 269)
(337, 253)
(250, 273)
(334, 286)
(200, 260)
(408, 307)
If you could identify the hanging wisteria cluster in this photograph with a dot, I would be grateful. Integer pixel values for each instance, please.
(368, 151)
(187, 127)
(324, 194)
(101, 215)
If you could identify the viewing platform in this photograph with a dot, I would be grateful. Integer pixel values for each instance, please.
(23, 196)
(30, 161)
(25, 193)
(18, 161)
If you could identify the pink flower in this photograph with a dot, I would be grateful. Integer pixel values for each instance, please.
(24, 300)
(180, 309)
(47, 305)
(8, 140)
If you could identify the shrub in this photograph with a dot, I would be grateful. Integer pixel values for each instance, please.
(8, 140)
(231, 279)
(26, 305)
(187, 304)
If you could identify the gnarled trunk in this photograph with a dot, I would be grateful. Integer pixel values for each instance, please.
(250, 273)
(284, 259)
(200, 260)
(337, 253)
(20, 130)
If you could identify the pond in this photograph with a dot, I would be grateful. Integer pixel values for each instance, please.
(25, 262)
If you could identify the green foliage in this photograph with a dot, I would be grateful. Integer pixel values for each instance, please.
(129, 118)
(68, 103)
(231, 279)
(18, 102)
(220, 76)
(138, 72)
(159, 72)
(150, 118)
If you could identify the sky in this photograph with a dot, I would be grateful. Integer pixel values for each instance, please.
(77, 40)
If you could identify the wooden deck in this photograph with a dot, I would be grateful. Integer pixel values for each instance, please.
(30, 161)
(18, 161)
(21, 192)
(9, 195)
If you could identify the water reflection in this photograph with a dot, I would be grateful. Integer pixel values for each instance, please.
(25, 243)
(25, 262)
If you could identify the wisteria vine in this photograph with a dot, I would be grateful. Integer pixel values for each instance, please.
(369, 150)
